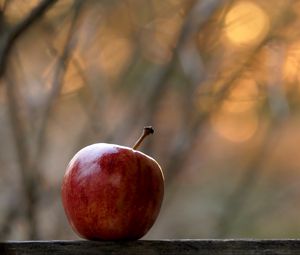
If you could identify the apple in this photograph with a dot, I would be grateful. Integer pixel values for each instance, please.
(112, 192)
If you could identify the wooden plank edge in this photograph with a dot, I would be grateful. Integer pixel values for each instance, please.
(187, 246)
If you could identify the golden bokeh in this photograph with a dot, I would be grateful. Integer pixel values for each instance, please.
(291, 64)
(235, 127)
(246, 23)
(237, 120)
(243, 96)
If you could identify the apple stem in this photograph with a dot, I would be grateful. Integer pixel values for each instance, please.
(146, 131)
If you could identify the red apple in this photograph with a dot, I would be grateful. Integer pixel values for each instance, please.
(112, 192)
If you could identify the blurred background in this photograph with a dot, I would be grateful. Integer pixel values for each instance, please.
(217, 79)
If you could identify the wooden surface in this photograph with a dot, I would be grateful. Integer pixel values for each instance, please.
(202, 247)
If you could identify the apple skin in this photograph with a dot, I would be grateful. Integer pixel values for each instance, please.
(112, 192)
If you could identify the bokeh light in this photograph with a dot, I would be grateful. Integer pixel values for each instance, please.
(243, 96)
(246, 23)
(237, 119)
(235, 127)
(291, 65)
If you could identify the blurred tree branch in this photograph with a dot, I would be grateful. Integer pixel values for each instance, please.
(237, 199)
(11, 35)
(13, 212)
(29, 163)
(155, 83)
(185, 141)
(23, 155)
(58, 76)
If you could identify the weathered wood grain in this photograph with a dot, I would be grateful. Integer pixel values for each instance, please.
(178, 247)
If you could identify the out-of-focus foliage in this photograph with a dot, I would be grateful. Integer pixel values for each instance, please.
(219, 81)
